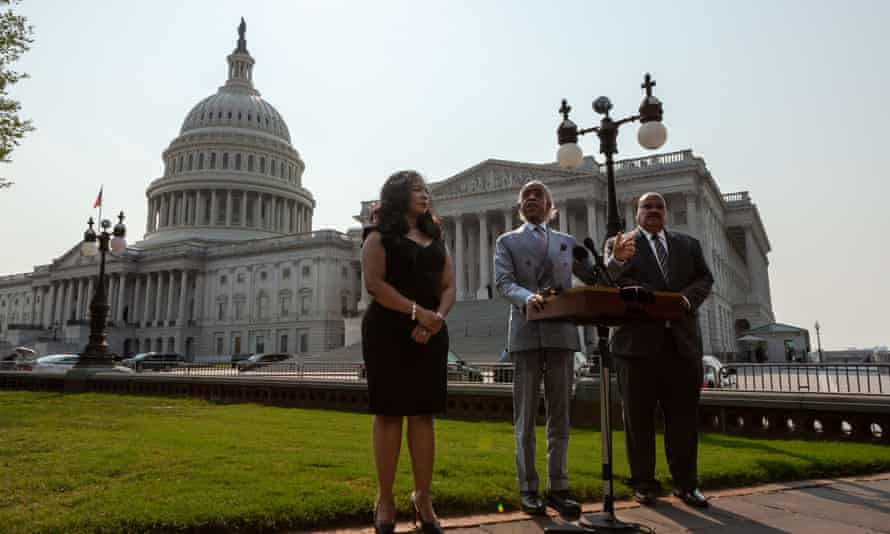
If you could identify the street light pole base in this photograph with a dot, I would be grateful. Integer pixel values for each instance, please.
(600, 522)
(606, 522)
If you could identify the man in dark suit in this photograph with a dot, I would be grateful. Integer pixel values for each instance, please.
(660, 362)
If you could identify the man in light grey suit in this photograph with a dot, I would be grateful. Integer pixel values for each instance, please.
(527, 260)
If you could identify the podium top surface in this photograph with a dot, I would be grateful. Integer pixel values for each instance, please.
(610, 306)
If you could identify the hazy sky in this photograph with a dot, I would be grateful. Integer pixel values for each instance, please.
(784, 99)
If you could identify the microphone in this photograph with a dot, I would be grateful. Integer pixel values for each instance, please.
(580, 253)
(598, 262)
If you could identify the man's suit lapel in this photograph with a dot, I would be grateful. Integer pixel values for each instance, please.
(528, 253)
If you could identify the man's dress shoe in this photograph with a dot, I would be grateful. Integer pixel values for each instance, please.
(647, 496)
(568, 508)
(531, 503)
(692, 497)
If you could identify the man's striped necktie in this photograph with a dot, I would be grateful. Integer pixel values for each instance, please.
(662, 256)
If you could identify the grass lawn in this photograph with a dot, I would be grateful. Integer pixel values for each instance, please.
(110, 463)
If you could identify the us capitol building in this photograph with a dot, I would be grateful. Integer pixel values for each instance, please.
(230, 264)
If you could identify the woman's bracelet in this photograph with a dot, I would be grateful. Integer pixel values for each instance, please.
(413, 311)
(439, 315)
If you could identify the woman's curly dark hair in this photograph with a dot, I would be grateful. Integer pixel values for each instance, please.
(390, 213)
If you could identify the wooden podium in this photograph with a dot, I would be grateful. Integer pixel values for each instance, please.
(608, 306)
(605, 307)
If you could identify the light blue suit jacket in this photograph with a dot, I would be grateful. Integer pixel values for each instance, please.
(521, 271)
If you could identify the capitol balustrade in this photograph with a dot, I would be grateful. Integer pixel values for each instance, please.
(484, 391)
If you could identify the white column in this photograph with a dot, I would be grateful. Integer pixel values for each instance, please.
(274, 214)
(148, 225)
(592, 229)
(199, 208)
(630, 219)
(112, 287)
(257, 208)
(135, 316)
(169, 315)
(199, 297)
(157, 315)
(50, 313)
(459, 257)
(146, 310)
(121, 291)
(66, 299)
(59, 302)
(244, 208)
(692, 215)
(183, 291)
(228, 209)
(89, 294)
(79, 311)
(162, 219)
(213, 208)
(563, 208)
(508, 219)
(484, 258)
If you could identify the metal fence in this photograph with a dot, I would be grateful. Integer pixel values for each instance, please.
(864, 378)
(496, 373)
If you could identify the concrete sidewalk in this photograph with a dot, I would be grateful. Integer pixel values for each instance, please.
(848, 506)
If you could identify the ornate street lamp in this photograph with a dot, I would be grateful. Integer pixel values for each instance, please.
(819, 341)
(96, 354)
(652, 135)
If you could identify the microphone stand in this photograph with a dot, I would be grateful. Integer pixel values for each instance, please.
(604, 521)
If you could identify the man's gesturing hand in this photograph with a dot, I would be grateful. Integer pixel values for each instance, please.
(625, 246)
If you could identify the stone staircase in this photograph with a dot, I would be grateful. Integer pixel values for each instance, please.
(477, 331)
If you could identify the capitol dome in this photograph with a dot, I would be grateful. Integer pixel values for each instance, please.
(231, 174)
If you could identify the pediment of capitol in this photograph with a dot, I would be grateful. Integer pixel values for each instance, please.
(492, 176)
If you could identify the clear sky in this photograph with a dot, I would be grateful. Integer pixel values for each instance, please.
(785, 99)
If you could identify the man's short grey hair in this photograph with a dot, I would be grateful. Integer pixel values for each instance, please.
(552, 214)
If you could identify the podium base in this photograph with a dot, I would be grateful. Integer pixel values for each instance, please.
(598, 522)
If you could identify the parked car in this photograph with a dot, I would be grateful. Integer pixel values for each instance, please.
(20, 359)
(263, 360)
(459, 370)
(716, 375)
(237, 358)
(55, 363)
(155, 361)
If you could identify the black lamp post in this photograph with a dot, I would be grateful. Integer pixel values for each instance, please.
(96, 353)
(819, 341)
(652, 135)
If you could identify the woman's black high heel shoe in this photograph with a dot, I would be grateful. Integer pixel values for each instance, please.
(427, 527)
(381, 527)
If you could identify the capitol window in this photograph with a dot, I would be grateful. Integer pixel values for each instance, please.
(263, 165)
(262, 275)
(285, 273)
(225, 160)
(240, 278)
(200, 161)
(272, 167)
(230, 115)
(237, 162)
(222, 280)
(306, 270)
(179, 165)
(250, 162)
(213, 160)
(191, 160)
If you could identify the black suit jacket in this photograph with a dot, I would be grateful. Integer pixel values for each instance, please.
(688, 274)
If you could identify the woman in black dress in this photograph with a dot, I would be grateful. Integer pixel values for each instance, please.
(404, 339)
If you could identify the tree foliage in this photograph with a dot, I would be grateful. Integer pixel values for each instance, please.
(15, 40)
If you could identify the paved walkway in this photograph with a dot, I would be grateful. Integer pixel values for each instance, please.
(847, 506)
